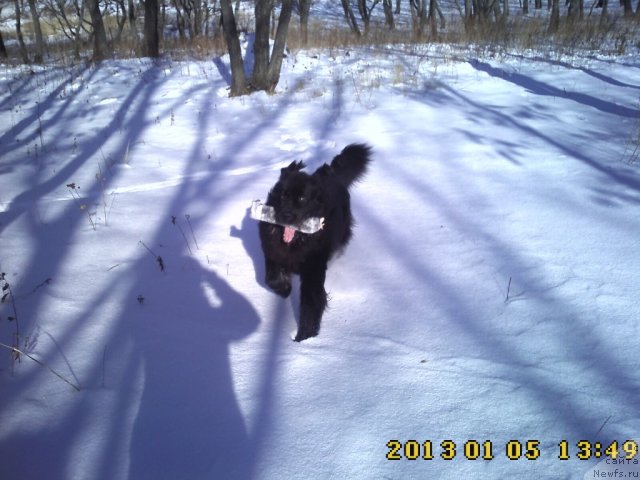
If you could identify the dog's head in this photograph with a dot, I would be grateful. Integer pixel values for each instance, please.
(296, 196)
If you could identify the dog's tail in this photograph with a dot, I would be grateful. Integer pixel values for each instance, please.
(351, 164)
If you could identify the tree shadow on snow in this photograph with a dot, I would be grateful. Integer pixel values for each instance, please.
(459, 308)
(620, 180)
(173, 411)
(52, 238)
(540, 88)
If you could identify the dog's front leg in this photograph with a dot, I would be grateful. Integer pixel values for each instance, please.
(278, 278)
(313, 297)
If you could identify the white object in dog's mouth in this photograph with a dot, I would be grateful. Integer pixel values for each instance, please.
(289, 233)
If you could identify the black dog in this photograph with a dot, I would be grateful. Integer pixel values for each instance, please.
(296, 197)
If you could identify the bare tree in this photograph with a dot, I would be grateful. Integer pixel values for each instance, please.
(388, 14)
(605, 11)
(575, 10)
(266, 68)
(180, 21)
(68, 17)
(468, 12)
(304, 7)
(505, 12)
(23, 47)
(351, 18)
(151, 31)
(208, 10)
(132, 18)
(365, 13)
(99, 33)
(554, 21)
(628, 8)
(238, 78)
(418, 16)
(262, 13)
(35, 19)
(3, 50)
(267, 64)
(121, 18)
(604, 5)
(434, 9)
(432, 17)
(192, 17)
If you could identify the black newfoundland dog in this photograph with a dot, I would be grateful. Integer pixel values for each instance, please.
(296, 197)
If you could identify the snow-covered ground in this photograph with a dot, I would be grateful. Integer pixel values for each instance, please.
(490, 293)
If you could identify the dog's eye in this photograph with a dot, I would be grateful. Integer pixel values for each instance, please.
(301, 198)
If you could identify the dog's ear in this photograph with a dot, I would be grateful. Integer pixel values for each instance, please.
(293, 167)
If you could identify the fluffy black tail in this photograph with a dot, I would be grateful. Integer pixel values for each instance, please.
(351, 164)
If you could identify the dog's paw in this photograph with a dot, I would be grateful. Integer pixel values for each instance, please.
(304, 334)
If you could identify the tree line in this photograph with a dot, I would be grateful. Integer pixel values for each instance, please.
(145, 23)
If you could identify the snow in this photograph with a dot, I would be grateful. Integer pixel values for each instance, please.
(490, 292)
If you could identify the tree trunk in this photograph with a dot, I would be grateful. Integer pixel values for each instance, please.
(230, 30)
(304, 7)
(432, 18)
(497, 14)
(576, 10)
(162, 21)
(505, 11)
(198, 15)
(76, 28)
(121, 20)
(604, 16)
(388, 14)
(132, 17)
(554, 21)
(151, 33)
(468, 13)
(179, 21)
(23, 47)
(266, 67)
(207, 16)
(414, 8)
(351, 18)
(423, 17)
(275, 64)
(35, 18)
(99, 33)
(365, 14)
(261, 44)
(3, 50)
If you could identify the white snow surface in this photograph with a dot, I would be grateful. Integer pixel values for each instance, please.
(490, 292)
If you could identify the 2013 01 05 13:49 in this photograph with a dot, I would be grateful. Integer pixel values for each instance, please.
(513, 450)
